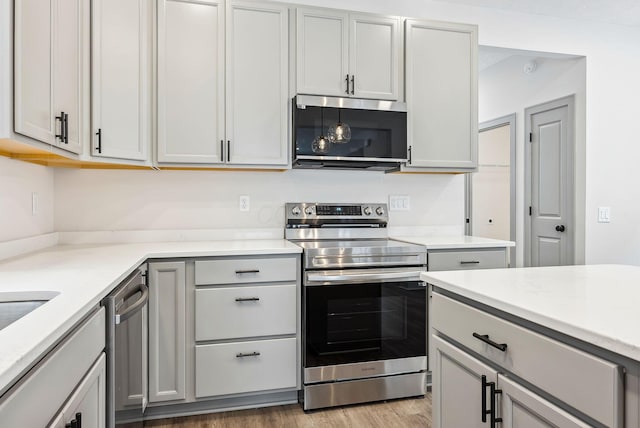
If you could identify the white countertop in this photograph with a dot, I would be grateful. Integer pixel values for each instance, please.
(599, 304)
(446, 242)
(82, 275)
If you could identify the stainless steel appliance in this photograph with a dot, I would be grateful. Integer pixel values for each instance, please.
(127, 340)
(364, 307)
(378, 130)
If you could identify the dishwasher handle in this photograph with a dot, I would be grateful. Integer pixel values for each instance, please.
(131, 310)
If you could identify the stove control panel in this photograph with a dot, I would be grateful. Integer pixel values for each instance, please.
(306, 210)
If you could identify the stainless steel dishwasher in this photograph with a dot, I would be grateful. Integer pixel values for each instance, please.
(127, 339)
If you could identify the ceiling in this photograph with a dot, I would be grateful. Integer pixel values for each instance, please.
(620, 12)
(490, 55)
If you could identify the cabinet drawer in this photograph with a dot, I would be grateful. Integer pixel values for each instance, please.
(236, 312)
(589, 384)
(472, 259)
(232, 271)
(232, 368)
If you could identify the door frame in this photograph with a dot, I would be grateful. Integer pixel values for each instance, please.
(570, 102)
(510, 120)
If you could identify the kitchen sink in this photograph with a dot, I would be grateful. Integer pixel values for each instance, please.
(15, 305)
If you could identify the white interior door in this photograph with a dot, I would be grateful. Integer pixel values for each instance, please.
(549, 162)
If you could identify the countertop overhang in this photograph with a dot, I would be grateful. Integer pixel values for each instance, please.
(598, 304)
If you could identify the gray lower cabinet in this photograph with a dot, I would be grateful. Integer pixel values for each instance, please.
(484, 364)
(223, 332)
(167, 331)
(69, 380)
(458, 395)
(88, 401)
(461, 259)
(246, 325)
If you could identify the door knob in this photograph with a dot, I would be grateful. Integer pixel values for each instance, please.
(560, 228)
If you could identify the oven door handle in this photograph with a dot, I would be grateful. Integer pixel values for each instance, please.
(313, 277)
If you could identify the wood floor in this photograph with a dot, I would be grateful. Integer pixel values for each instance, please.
(411, 412)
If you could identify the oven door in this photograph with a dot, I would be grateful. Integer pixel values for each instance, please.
(362, 316)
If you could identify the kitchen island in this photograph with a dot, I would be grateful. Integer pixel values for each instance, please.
(552, 346)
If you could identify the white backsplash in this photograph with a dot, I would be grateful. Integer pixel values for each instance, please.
(206, 202)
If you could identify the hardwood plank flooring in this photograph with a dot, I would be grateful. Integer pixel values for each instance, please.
(410, 412)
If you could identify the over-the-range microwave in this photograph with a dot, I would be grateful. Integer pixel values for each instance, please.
(378, 133)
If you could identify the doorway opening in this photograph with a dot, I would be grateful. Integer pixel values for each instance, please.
(491, 191)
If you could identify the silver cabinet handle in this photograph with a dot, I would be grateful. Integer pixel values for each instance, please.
(347, 80)
(470, 262)
(247, 299)
(251, 354)
(240, 272)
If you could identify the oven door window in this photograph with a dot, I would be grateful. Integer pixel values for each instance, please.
(364, 322)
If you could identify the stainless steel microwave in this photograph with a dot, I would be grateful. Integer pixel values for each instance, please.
(378, 133)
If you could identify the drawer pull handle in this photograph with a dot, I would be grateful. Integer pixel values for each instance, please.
(251, 354)
(240, 272)
(470, 262)
(485, 339)
(247, 299)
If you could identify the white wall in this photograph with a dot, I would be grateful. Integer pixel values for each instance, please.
(18, 180)
(135, 200)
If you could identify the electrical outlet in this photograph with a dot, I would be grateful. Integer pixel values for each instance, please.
(604, 214)
(34, 203)
(244, 202)
(399, 203)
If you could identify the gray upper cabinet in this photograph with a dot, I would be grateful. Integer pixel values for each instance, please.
(223, 83)
(442, 95)
(121, 84)
(51, 66)
(346, 54)
(190, 82)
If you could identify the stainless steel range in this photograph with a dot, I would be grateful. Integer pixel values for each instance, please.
(364, 306)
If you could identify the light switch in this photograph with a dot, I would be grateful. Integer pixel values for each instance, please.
(604, 214)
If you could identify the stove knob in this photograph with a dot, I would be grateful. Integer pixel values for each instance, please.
(367, 210)
(380, 211)
(308, 211)
(295, 210)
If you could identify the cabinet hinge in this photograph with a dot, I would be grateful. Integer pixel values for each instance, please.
(531, 137)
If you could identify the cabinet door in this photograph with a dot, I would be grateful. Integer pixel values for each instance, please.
(374, 43)
(33, 109)
(522, 408)
(167, 331)
(457, 387)
(257, 84)
(70, 58)
(191, 81)
(88, 400)
(121, 78)
(51, 58)
(322, 52)
(442, 94)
